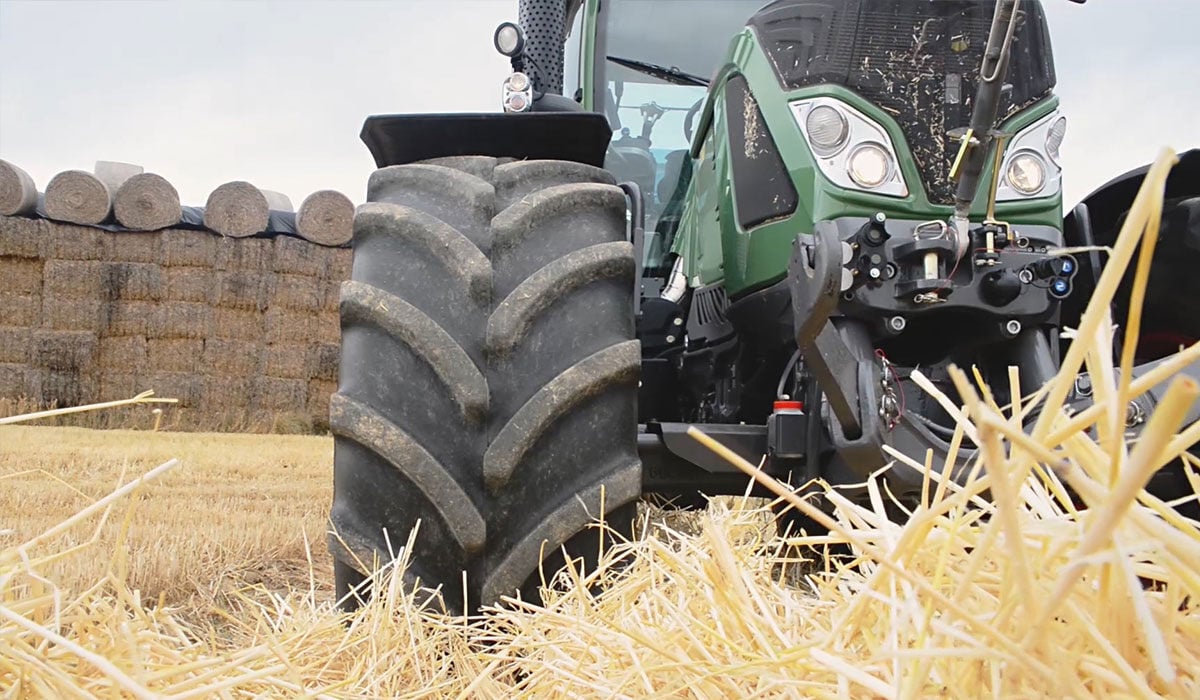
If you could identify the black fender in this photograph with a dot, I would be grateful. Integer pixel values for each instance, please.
(581, 137)
(1105, 205)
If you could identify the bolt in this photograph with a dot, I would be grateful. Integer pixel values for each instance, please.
(1083, 385)
(876, 259)
(670, 339)
(678, 321)
(1134, 415)
(897, 323)
(1013, 327)
(875, 273)
(1025, 275)
(880, 217)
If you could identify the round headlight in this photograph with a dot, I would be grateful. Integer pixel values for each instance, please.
(516, 102)
(827, 129)
(518, 82)
(508, 39)
(869, 165)
(1054, 138)
(1026, 173)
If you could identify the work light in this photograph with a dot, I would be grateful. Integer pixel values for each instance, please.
(508, 39)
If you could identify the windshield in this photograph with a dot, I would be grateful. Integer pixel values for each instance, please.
(654, 116)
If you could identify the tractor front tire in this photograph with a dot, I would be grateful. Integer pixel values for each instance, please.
(488, 380)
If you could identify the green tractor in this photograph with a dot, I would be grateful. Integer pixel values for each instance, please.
(754, 218)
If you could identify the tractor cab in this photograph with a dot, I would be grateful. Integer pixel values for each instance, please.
(849, 179)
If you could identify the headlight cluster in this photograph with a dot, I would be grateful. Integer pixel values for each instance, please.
(851, 150)
(1032, 161)
(517, 93)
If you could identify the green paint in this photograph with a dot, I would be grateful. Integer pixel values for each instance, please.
(756, 258)
(587, 61)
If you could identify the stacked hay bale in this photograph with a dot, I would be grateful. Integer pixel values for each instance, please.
(241, 330)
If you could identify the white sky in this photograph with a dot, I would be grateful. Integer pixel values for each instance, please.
(203, 92)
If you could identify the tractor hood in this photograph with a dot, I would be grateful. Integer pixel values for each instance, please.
(917, 60)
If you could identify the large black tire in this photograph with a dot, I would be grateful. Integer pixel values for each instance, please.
(488, 382)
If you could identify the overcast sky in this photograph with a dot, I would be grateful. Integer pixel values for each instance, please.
(206, 91)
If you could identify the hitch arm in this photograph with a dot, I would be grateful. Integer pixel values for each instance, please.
(815, 278)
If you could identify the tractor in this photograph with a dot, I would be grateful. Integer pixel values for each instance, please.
(753, 217)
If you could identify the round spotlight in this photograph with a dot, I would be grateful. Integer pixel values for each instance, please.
(869, 165)
(508, 39)
(518, 82)
(827, 129)
(516, 102)
(1026, 173)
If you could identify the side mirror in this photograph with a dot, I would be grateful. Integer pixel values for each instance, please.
(509, 39)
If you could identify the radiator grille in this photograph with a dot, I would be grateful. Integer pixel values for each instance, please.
(917, 61)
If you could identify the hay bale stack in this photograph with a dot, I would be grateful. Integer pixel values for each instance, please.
(18, 194)
(114, 174)
(277, 201)
(78, 197)
(147, 202)
(326, 217)
(237, 209)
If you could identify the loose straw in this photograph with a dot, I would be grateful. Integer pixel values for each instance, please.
(144, 397)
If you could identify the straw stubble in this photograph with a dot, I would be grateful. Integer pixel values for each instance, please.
(998, 584)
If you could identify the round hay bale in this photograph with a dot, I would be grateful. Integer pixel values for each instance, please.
(18, 194)
(114, 174)
(78, 197)
(147, 202)
(277, 201)
(236, 209)
(326, 217)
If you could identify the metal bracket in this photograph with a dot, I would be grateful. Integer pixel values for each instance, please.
(637, 235)
(836, 351)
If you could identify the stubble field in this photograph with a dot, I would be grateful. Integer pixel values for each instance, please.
(239, 511)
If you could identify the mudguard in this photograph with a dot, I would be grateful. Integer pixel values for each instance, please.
(581, 137)
(1108, 202)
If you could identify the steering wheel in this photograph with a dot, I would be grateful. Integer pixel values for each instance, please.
(691, 116)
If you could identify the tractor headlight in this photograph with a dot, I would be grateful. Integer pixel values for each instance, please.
(517, 94)
(827, 129)
(1054, 139)
(517, 82)
(1026, 173)
(1032, 161)
(869, 165)
(851, 149)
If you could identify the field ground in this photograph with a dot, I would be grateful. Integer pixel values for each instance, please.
(235, 513)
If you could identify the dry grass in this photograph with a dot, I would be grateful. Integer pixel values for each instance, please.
(235, 512)
(1002, 586)
(176, 418)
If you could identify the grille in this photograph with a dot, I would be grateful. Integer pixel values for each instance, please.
(916, 60)
(707, 320)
